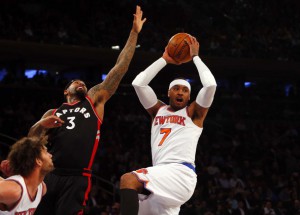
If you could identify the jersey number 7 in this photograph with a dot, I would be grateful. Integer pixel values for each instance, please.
(166, 132)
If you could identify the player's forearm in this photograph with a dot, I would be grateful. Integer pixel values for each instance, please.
(128, 50)
(114, 77)
(37, 130)
(206, 77)
(144, 78)
(145, 93)
(206, 95)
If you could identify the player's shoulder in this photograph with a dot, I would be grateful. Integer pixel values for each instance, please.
(14, 187)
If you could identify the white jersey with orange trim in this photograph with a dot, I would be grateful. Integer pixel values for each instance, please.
(174, 137)
(26, 205)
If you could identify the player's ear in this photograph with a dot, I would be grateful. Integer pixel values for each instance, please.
(38, 161)
(169, 93)
(65, 92)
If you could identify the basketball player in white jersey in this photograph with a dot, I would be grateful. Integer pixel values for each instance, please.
(175, 132)
(21, 193)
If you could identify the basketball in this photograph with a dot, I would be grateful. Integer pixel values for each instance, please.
(179, 49)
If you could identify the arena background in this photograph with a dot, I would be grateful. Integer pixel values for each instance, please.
(249, 151)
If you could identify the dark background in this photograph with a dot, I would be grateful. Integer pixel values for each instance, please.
(252, 129)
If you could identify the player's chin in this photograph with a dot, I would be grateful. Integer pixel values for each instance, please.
(81, 94)
(179, 105)
(51, 168)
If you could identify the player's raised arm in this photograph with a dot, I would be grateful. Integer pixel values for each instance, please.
(102, 92)
(144, 92)
(199, 108)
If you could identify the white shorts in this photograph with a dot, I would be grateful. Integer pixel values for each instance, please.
(171, 185)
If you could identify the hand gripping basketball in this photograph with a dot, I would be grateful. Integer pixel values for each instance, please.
(179, 49)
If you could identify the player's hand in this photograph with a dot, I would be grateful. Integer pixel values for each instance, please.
(168, 59)
(5, 168)
(137, 20)
(194, 46)
(51, 122)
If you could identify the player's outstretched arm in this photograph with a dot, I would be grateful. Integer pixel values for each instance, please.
(199, 108)
(44, 124)
(141, 82)
(102, 92)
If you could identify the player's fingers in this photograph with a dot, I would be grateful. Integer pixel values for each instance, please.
(138, 9)
(58, 119)
(188, 42)
(57, 124)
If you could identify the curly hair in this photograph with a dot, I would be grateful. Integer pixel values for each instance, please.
(23, 155)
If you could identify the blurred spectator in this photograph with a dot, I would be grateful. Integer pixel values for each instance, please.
(268, 209)
(222, 31)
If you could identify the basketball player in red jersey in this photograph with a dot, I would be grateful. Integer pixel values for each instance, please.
(74, 133)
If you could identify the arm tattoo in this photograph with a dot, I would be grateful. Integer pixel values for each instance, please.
(114, 77)
(37, 131)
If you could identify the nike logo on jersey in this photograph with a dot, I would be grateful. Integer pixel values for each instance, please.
(72, 110)
(160, 120)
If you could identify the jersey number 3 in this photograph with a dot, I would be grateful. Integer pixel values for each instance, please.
(165, 132)
(71, 122)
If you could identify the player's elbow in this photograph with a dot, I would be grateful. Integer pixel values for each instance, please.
(210, 90)
(134, 84)
(212, 84)
(213, 87)
(206, 96)
(139, 80)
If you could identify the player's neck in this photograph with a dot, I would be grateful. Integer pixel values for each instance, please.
(174, 109)
(32, 182)
(74, 99)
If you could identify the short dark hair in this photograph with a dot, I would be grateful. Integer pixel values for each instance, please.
(68, 84)
(23, 154)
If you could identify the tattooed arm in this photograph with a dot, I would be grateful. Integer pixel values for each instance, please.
(44, 124)
(102, 92)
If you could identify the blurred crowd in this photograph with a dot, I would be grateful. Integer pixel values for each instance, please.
(236, 28)
(247, 159)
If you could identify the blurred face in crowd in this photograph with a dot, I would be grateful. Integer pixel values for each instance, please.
(77, 88)
(179, 96)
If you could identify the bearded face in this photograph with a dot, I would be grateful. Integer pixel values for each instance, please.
(47, 163)
(77, 89)
(179, 96)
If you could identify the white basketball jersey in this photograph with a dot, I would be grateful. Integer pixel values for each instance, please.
(174, 137)
(26, 205)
